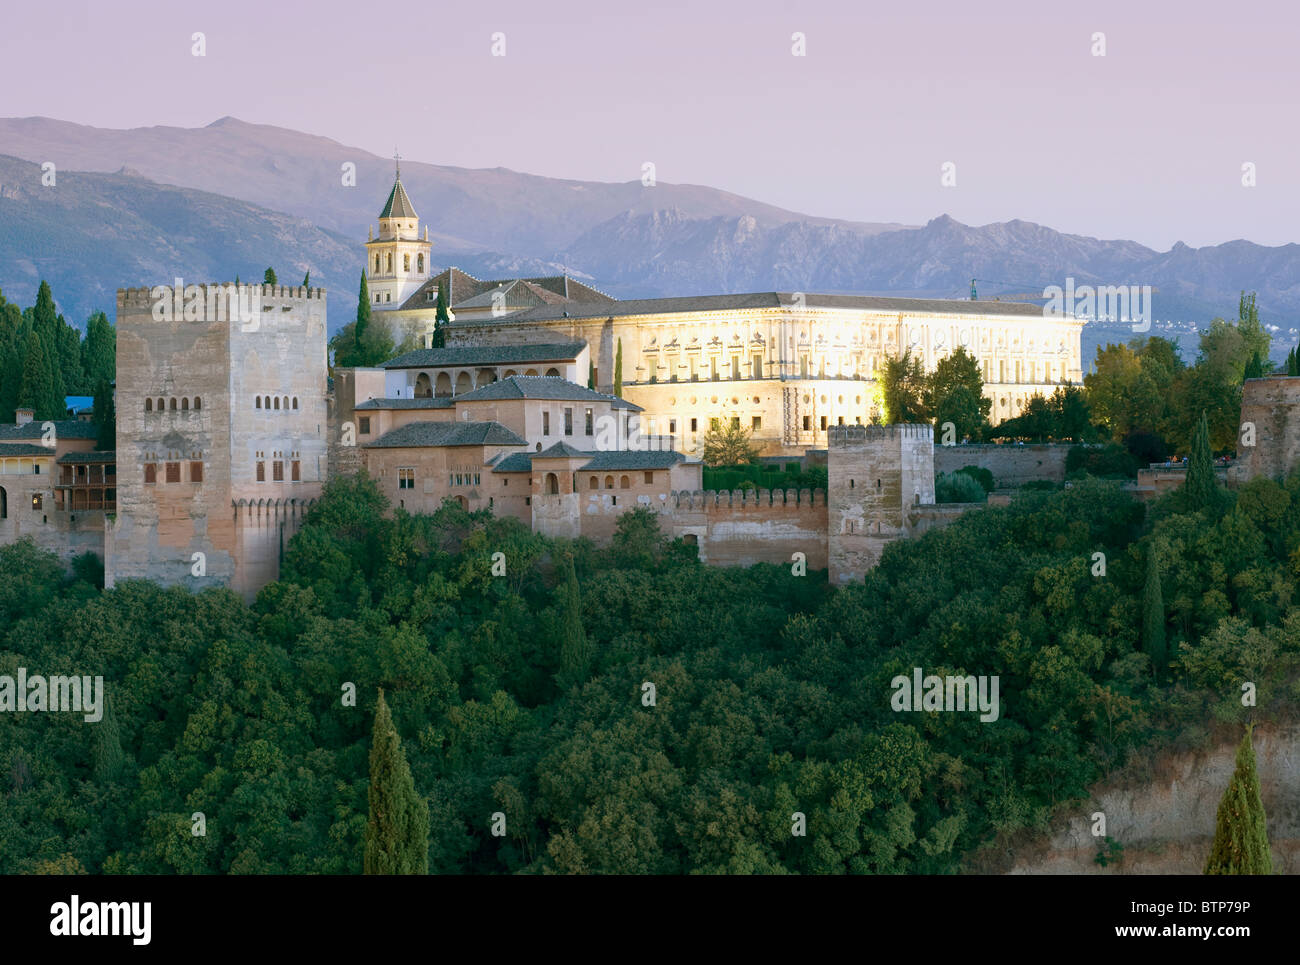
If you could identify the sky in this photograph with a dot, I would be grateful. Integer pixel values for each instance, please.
(1147, 142)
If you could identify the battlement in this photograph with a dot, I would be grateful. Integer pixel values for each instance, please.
(144, 298)
(748, 498)
(840, 437)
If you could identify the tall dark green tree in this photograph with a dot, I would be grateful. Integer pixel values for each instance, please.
(363, 310)
(1240, 829)
(268, 277)
(99, 350)
(397, 833)
(954, 393)
(618, 369)
(108, 755)
(105, 418)
(904, 387)
(1254, 368)
(591, 375)
(306, 279)
(1201, 488)
(442, 316)
(575, 647)
(1153, 613)
(42, 387)
(1291, 368)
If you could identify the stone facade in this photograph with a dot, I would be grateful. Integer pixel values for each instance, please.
(221, 434)
(1011, 466)
(1271, 406)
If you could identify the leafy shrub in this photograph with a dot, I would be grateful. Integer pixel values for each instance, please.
(958, 487)
(980, 475)
(1112, 461)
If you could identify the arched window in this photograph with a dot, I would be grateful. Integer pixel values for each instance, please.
(277, 402)
(419, 264)
(173, 404)
(266, 402)
(609, 482)
(552, 484)
(531, 372)
(595, 483)
(257, 402)
(185, 405)
(162, 405)
(406, 262)
(376, 263)
(463, 383)
(553, 371)
(624, 483)
(295, 402)
(423, 387)
(286, 403)
(148, 405)
(390, 262)
(198, 403)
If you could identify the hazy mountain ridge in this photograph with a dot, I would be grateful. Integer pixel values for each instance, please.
(233, 194)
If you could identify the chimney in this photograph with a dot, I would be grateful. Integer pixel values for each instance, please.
(24, 416)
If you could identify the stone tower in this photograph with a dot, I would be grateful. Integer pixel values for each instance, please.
(875, 475)
(221, 431)
(1272, 406)
(397, 261)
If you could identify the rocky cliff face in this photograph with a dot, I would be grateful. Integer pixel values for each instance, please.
(1166, 824)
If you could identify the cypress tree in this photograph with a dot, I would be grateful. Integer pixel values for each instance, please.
(1254, 368)
(1153, 613)
(575, 648)
(1292, 363)
(268, 277)
(441, 317)
(1201, 488)
(591, 375)
(44, 317)
(363, 311)
(109, 757)
(105, 418)
(618, 370)
(41, 388)
(397, 834)
(306, 279)
(1240, 829)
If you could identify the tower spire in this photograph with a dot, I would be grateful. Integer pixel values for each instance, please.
(397, 159)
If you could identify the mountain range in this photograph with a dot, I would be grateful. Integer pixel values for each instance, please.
(142, 206)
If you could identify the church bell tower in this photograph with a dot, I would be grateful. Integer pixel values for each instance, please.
(397, 260)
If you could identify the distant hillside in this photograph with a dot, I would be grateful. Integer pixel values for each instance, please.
(628, 240)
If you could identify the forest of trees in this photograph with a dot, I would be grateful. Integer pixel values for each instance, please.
(519, 702)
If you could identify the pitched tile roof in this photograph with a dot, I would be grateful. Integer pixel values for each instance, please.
(399, 205)
(750, 300)
(542, 387)
(425, 358)
(462, 287)
(561, 450)
(12, 449)
(63, 429)
(437, 402)
(107, 455)
(633, 459)
(417, 435)
(515, 462)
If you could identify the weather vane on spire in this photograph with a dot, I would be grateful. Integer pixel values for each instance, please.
(398, 159)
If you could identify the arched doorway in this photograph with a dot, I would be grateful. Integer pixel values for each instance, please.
(552, 484)
(443, 389)
(423, 387)
(463, 383)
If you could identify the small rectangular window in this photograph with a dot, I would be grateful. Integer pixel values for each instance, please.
(297, 473)
(406, 478)
(823, 423)
(591, 424)
(568, 422)
(546, 423)
(38, 501)
(757, 423)
(261, 472)
(173, 472)
(365, 425)
(277, 471)
(649, 478)
(196, 472)
(695, 425)
(672, 427)
(150, 474)
(807, 423)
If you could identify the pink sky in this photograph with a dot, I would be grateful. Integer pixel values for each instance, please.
(1145, 143)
